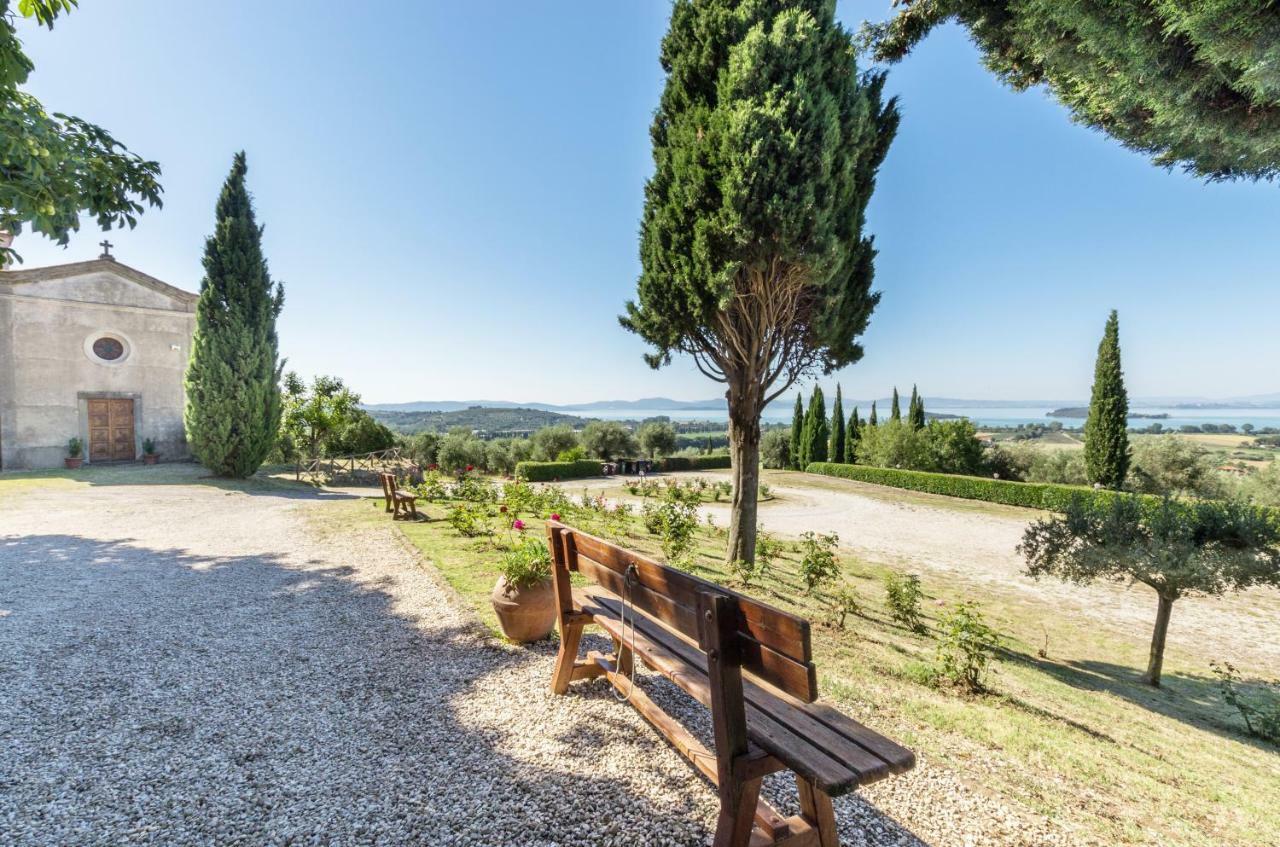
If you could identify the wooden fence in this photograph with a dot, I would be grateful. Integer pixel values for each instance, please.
(361, 469)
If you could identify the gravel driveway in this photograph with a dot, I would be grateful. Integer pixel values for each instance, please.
(186, 663)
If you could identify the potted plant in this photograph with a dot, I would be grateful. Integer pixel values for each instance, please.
(524, 597)
(75, 448)
(149, 454)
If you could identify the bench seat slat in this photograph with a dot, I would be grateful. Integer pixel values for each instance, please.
(816, 741)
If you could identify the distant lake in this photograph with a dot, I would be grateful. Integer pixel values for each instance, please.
(981, 417)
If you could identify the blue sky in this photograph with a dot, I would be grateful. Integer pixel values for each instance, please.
(464, 180)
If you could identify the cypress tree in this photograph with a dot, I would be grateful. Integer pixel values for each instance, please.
(895, 409)
(1106, 431)
(233, 379)
(754, 259)
(915, 412)
(872, 421)
(836, 451)
(797, 433)
(852, 436)
(817, 430)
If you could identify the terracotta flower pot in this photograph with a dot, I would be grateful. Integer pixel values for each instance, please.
(525, 614)
(150, 458)
(73, 462)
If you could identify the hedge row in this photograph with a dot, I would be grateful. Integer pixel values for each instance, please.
(549, 471)
(1033, 495)
(696, 463)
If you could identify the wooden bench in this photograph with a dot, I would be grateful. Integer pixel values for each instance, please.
(749, 663)
(402, 505)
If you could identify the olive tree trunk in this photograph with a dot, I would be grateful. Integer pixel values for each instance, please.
(1156, 662)
(744, 453)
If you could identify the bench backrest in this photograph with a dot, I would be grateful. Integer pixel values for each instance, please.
(772, 645)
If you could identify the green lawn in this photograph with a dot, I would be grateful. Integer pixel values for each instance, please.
(1070, 734)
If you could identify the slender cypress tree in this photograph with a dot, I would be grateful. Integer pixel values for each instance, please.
(895, 409)
(797, 433)
(852, 436)
(915, 412)
(817, 431)
(1106, 431)
(873, 421)
(233, 379)
(836, 452)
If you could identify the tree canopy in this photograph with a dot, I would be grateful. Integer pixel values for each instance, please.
(1193, 85)
(55, 167)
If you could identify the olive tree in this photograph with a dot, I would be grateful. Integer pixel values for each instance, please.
(1178, 549)
(657, 438)
(766, 143)
(608, 440)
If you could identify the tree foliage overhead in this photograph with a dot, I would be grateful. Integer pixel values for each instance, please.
(1189, 84)
(766, 143)
(1106, 430)
(233, 378)
(55, 167)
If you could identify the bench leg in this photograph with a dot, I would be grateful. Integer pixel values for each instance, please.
(737, 813)
(626, 661)
(567, 658)
(815, 805)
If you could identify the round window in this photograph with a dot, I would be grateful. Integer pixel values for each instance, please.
(108, 349)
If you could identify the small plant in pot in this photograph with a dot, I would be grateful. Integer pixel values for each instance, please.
(149, 454)
(524, 598)
(75, 450)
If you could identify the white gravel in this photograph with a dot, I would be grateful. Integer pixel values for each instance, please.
(188, 664)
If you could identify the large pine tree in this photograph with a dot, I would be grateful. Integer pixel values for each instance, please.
(817, 432)
(233, 379)
(836, 452)
(754, 259)
(1106, 431)
(797, 433)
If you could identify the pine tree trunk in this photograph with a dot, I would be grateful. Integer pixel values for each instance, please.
(744, 450)
(1156, 663)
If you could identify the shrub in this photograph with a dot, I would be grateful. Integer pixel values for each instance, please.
(1052, 498)
(75, 447)
(765, 492)
(469, 520)
(768, 548)
(965, 646)
(747, 572)
(526, 564)
(1261, 712)
(902, 597)
(473, 489)
(695, 463)
(548, 471)
(674, 521)
(818, 564)
(844, 602)
(432, 487)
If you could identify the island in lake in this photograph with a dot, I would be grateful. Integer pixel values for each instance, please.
(1083, 412)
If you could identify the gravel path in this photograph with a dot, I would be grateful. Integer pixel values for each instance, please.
(189, 664)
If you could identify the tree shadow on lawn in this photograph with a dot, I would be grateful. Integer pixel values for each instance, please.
(218, 699)
(1195, 700)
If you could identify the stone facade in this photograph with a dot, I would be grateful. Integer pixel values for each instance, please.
(73, 336)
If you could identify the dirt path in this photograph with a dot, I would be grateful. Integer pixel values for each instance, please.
(978, 541)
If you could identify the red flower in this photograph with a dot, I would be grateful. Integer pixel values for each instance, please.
(502, 509)
(471, 468)
(555, 516)
(518, 524)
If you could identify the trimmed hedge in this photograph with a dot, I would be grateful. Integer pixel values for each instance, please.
(549, 471)
(696, 463)
(1032, 495)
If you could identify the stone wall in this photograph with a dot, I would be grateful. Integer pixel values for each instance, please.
(48, 370)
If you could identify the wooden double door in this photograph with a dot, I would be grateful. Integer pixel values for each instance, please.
(111, 437)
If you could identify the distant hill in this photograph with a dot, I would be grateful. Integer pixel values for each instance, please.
(657, 404)
(488, 421)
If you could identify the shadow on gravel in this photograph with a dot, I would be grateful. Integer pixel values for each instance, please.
(174, 473)
(155, 694)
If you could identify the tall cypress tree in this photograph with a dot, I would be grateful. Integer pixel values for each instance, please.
(754, 259)
(233, 379)
(873, 421)
(915, 412)
(1106, 431)
(836, 452)
(895, 409)
(852, 436)
(797, 433)
(816, 429)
